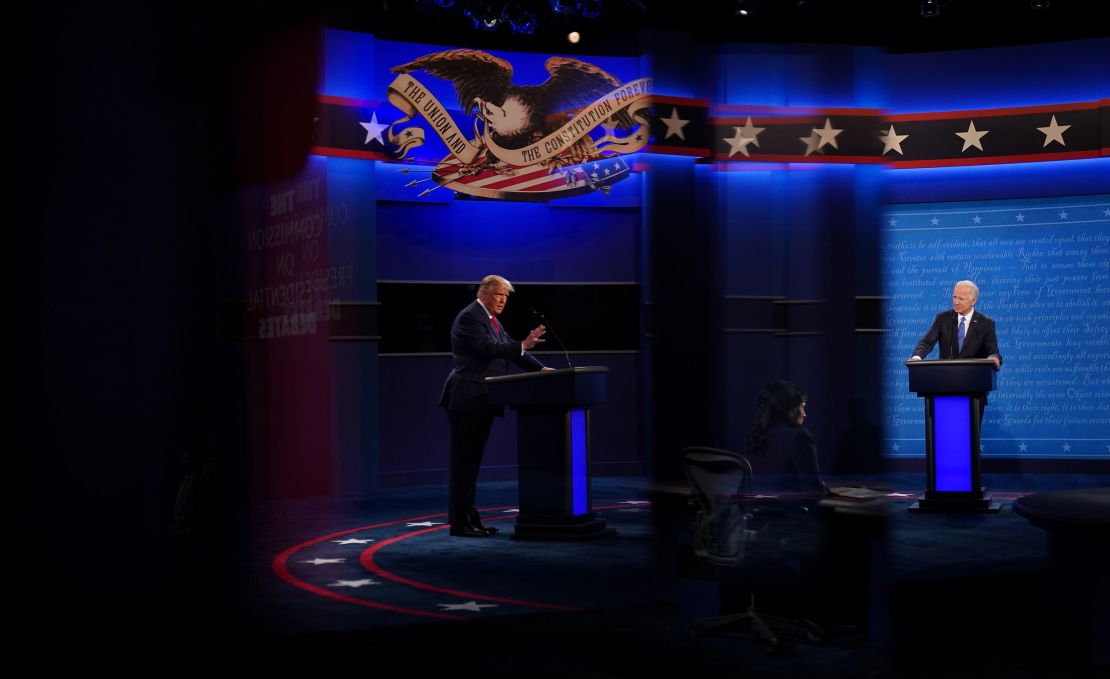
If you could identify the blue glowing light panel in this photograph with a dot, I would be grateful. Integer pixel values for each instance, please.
(952, 438)
(579, 462)
(1043, 269)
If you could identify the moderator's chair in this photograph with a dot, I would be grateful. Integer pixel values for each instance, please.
(721, 481)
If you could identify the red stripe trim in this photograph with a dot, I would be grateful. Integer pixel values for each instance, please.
(347, 101)
(748, 167)
(509, 181)
(993, 160)
(787, 158)
(783, 120)
(993, 112)
(677, 150)
(281, 569)
(367, 561)
(679, 101)
(547, 186)
(724, 110)
(348, 153)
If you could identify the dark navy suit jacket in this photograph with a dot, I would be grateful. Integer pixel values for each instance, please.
(479, 352)
(979, 342)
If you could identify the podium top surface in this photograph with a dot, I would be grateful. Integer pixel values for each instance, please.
(952, 376)
(550, 374)
(950, 362)
(564, 388)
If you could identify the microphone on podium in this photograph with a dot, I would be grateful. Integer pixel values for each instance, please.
(546, 324)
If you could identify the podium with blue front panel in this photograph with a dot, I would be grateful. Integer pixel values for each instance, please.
(954, 391)
(553, 450)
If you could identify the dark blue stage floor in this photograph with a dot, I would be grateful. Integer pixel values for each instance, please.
(378, 584)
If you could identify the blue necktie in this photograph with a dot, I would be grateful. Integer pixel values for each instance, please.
(960, 335)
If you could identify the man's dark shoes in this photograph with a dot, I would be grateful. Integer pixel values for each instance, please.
(468, 532)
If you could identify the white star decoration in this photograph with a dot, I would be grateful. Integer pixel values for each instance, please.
(1063, 214)
(972, 137)
(354, 583)
(977, 219)
(892, 141)
(1106, 212)
(674, 125)
(750, 131)
(320, 562)
(893, 222)
(738, 143)
(1053, 133)
(827, 134)
(353, 541)
(811, 142)
(468, 606)
(428, 524)
(895, 447)
(934, 221)
(1020, 217)
(1066, 447)
(1023, 447)
(374, 129)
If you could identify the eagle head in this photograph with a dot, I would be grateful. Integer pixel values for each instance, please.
(514, 120)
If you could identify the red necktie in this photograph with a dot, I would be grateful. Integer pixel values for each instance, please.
(496, 325)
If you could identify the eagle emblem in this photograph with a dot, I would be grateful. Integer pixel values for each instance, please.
(522, 130)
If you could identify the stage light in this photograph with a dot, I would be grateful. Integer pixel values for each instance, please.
(485, 15)
(1040, 4)
(746, 8)
(590, 9)
(519, 18)
(570, 7)
(930, 8)
(573, 37)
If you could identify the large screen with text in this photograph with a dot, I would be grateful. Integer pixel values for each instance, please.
(1043, 270)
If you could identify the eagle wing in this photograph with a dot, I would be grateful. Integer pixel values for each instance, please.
(574, 83)
(473, 73)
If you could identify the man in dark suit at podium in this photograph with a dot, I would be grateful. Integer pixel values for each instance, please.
(963, 334)
(480, 348)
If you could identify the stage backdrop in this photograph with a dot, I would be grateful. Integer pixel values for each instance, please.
(1043, 269)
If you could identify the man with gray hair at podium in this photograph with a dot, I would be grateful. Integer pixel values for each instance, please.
(480, 348)
(962, 332)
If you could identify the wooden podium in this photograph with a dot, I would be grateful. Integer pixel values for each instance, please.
(953, 391)
(553, 450)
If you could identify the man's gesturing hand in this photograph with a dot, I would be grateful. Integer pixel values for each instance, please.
(534, 337)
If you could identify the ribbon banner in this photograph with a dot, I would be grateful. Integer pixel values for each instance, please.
(564, 163)
(633, 98)
(412, 98)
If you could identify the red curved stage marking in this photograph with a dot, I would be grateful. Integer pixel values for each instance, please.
(366, 559)
(282, 571)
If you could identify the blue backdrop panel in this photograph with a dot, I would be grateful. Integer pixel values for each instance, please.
(466, 240)
(1043, 269)
(1027, 75)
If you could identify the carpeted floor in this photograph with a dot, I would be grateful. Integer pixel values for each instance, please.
(376, 585)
